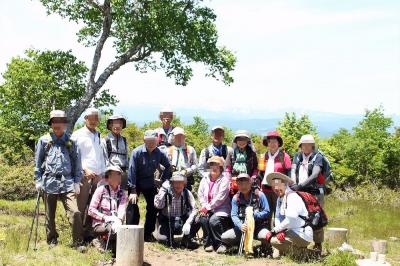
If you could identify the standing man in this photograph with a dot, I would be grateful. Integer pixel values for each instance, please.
(116, 148)
(165, 132)
(93, 162)
(144, 164)
(57, 173)
(182, 157)
(217, 148)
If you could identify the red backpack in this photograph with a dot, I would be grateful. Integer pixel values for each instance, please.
(317, 217)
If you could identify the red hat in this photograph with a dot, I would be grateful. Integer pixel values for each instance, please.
(273, 134)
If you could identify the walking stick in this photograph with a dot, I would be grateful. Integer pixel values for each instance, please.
(35, 214)
(169, 220)
(242, 241)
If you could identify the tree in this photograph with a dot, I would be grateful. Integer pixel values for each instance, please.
(166, 35)
(292, 128)
(33, 85)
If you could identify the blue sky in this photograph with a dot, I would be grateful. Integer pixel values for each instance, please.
(326, 56)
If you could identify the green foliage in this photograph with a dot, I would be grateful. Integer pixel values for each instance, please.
(370, 155)
(167, 35)
(16, 182)
(33, 85)
(292, 128)
(340, 259)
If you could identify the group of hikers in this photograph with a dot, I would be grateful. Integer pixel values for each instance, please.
(269, 197)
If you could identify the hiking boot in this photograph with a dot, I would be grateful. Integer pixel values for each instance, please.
(52, 243)
(209, 248)
(149, 238)
(79, 247)
(318, 248)
(221, 249)
(99, 244)
(189, 243)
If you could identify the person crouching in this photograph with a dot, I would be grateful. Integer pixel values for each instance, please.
(177, 213)
(107, 208)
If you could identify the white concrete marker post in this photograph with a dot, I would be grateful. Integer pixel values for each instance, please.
(130, 245)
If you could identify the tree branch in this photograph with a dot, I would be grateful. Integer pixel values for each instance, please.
(96, 5)
(106, 10)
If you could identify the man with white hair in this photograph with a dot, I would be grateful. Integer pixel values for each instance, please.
(93, 161)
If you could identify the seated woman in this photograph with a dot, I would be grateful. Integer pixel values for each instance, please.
(244, 159)
(107, 208)
(247, 197)
(215, 205)
(178, 210)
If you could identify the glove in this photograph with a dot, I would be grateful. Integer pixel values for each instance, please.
(186, 229)
(269, 236)
(115, 226)
(281, 236)
(39, 186)
(111, 219)
(166, 185)
(77, 188)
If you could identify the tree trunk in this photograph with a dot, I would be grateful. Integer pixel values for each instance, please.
(336, 237)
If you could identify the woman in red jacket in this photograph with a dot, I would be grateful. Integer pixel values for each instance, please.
(275, 160)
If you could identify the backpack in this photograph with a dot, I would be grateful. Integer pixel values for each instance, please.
(109, 146)
(317, 218)
(185, 203)
(326, 172)
(171, 152)
(281, 155)
(119, 195)
(255, 203)
(224, 152)
(68, 145)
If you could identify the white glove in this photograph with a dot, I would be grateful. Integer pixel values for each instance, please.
(115, 226)
(77, 188)
(186, 229)
(39, 186)
(111, 219)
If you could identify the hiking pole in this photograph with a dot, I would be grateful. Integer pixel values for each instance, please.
(37, 223)
(33, 220)
(169, 221)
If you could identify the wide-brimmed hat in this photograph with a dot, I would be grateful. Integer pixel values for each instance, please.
(115, 168)
(270, 135)
(57, 114)
(216, 159)
(116, 117)
(307, 139)
(277, 176)
(241, 134)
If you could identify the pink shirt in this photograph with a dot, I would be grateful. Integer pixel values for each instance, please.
(102, 204)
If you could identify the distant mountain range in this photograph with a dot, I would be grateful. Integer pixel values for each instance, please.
(255, 122)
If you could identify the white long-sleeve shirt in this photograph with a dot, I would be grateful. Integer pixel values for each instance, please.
(92, 152)
(288, 209)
